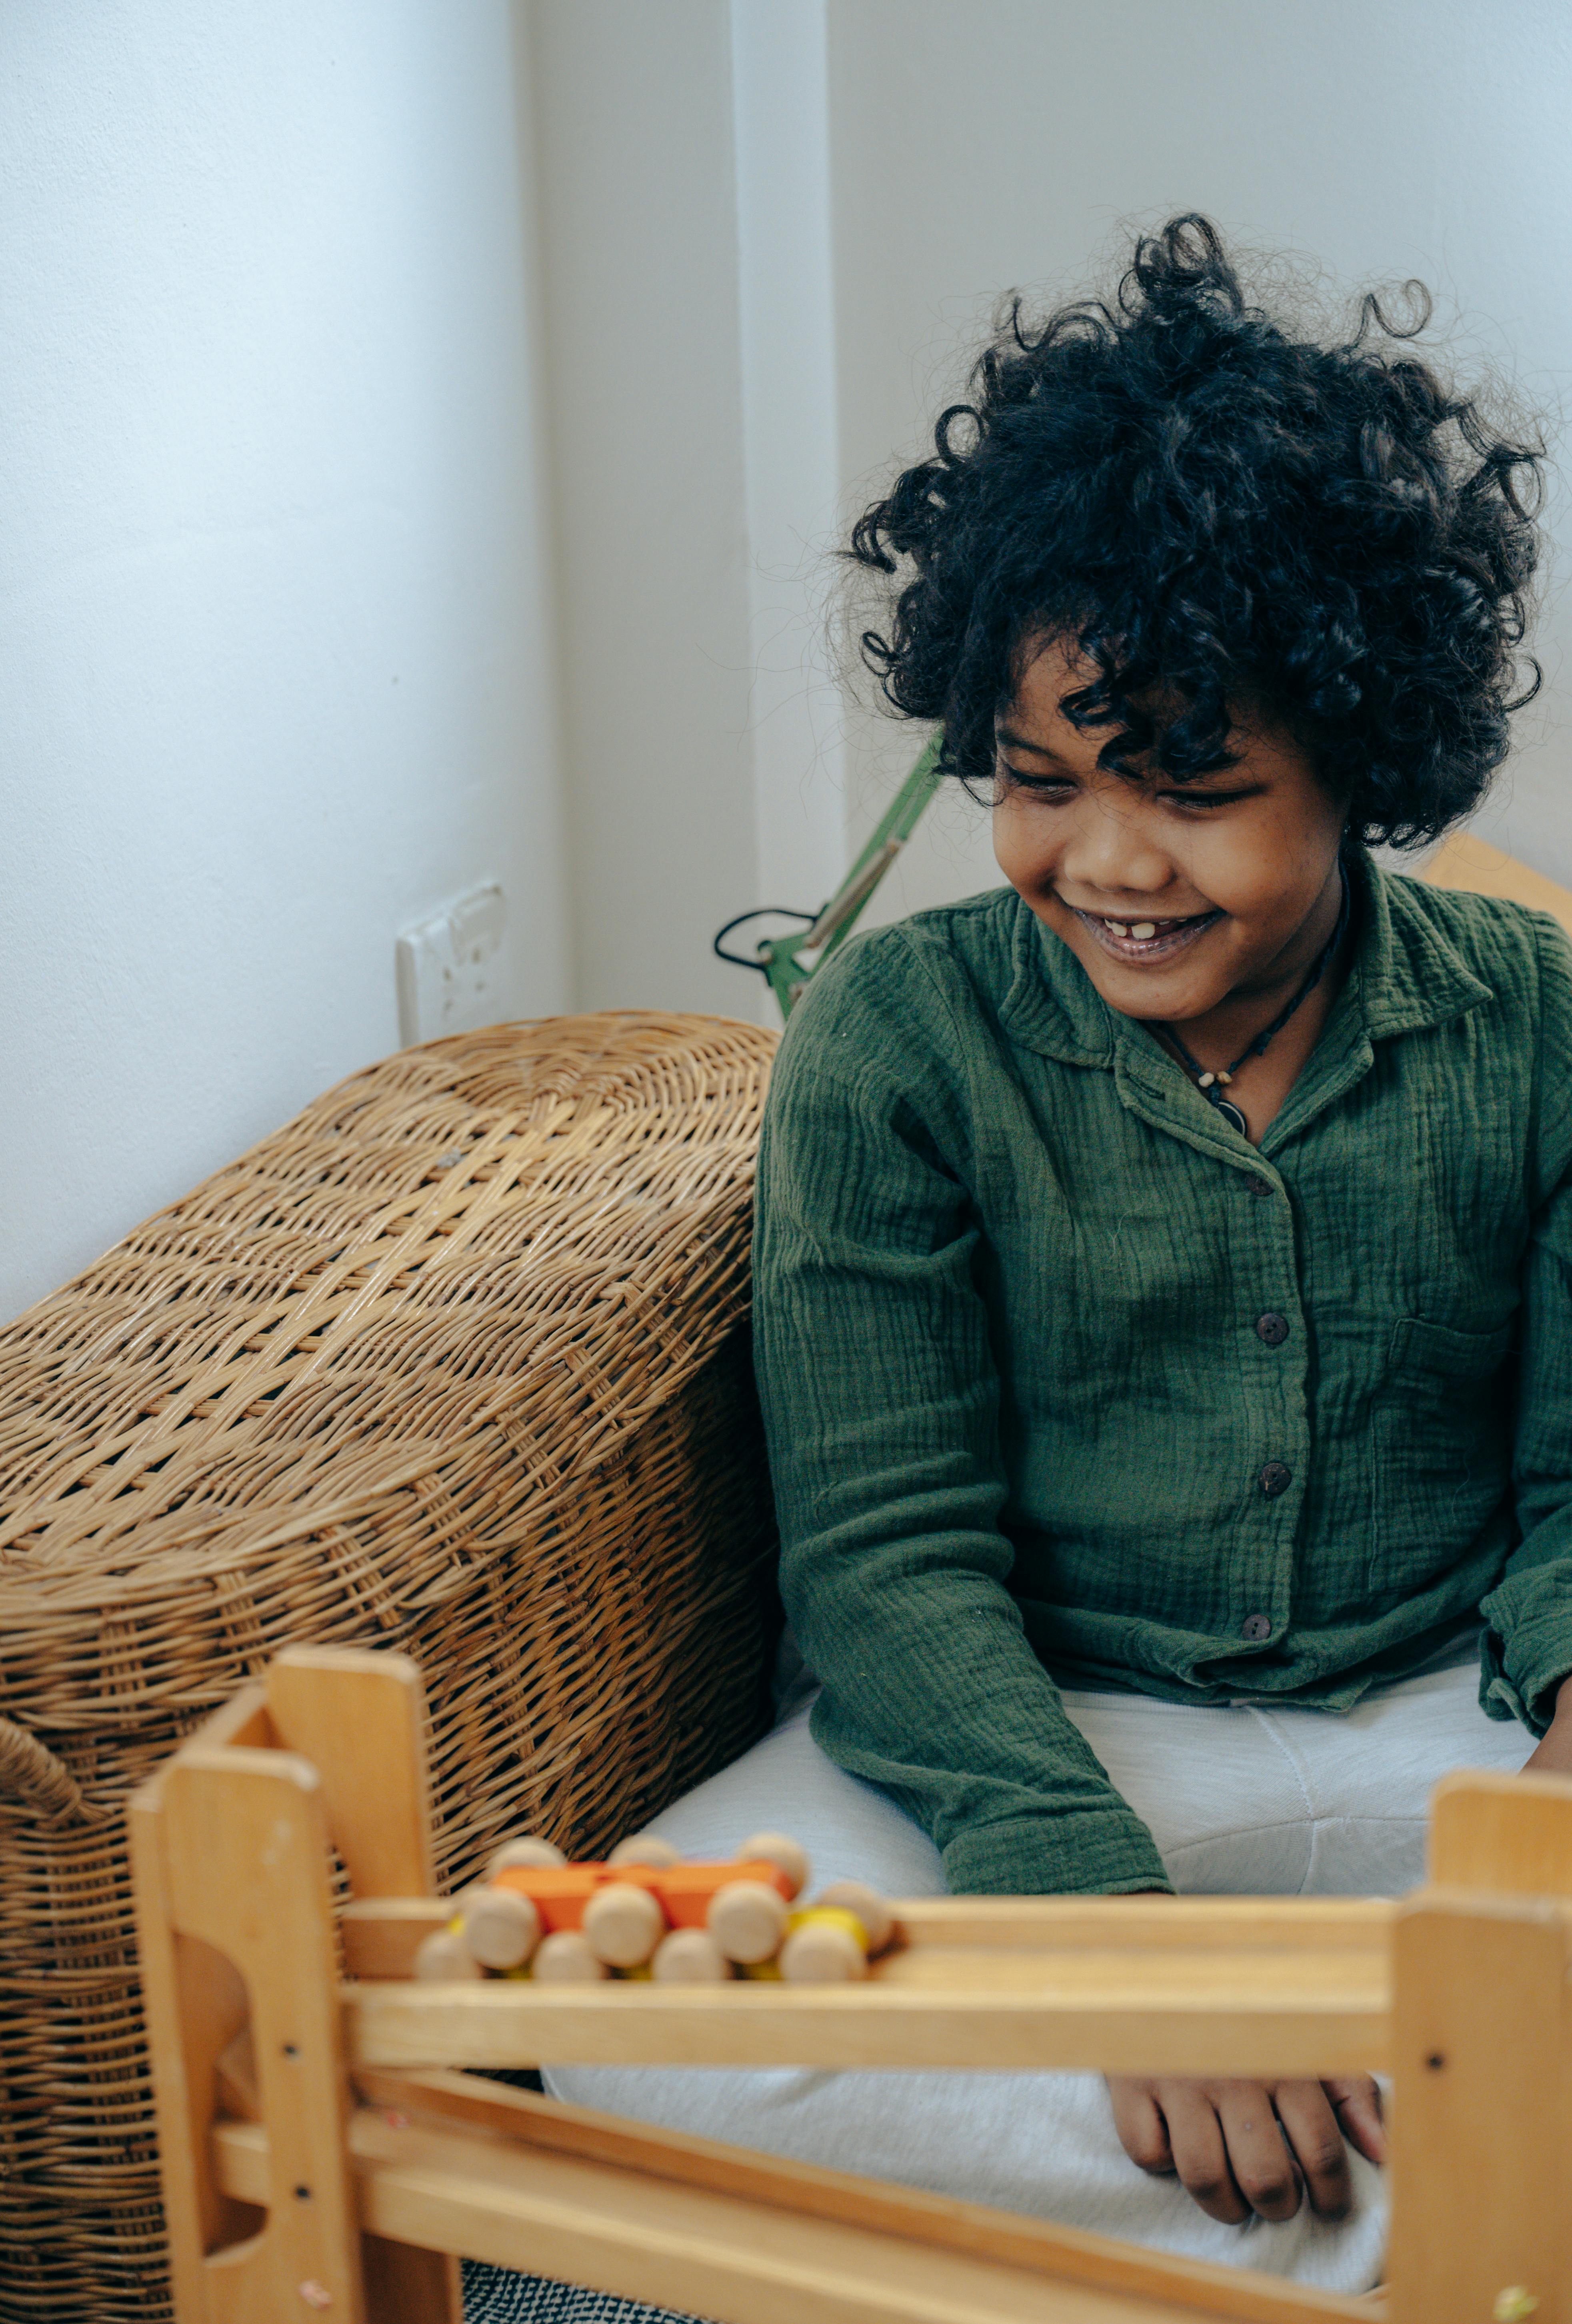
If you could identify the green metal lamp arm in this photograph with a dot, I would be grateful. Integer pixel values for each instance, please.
(785, 961)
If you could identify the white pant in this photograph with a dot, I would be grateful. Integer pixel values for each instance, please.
(1282, 1802)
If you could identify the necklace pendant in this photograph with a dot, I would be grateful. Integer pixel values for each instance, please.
(1230, 1112)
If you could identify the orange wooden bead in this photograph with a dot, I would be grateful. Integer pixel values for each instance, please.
(559, 1892)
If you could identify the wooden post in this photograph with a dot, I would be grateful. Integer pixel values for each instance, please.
(359, 1717)
(1508, 1835)
(233, 1860)
(1481, 2159)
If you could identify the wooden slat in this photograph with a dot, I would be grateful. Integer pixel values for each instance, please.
(744, 2239)
(944, 2221)
(1160, 1924)
(1234, 2011)
(381, 1935)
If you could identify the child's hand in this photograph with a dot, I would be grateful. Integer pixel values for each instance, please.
(1554, 1756)
(1239, 2147)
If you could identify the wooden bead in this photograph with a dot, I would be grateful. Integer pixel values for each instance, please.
(566, 1958)
(690, 1957)
(500, 1928)
(525, 1851)
(444, 1958)
(823, 1951)
(777, 1848)
(624, 1924)
(869, 1906)
(645, 1848)
(747, 1920)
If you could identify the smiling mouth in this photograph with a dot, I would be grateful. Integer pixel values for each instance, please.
(1145, 940)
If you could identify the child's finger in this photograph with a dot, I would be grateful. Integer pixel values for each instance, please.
(1357, 2103)
(1138, 2119)
(1311, 2129)
(1264, 2169)
(1200, 2152)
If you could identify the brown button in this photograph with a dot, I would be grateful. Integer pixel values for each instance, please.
(1275, 1478)
(1254, 1185)
(1256, 1625)
(1271, 1327)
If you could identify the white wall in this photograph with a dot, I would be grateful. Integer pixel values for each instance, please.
(355, 554)
(685, 210)
(277, 626)
(1001, 143)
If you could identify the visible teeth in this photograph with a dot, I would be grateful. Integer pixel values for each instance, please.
(1143, 929)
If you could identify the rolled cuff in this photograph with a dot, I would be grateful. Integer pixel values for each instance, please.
(1101, 1853)
(1519, 1674)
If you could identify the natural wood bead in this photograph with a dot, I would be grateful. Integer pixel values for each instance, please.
(778, 1848)
(869, 1906)
(690, 1957)
(645, 1848)
(822, 1953)
(444, 1958)
(525, 1851)
(624, 1924)
(500, 1928)
(566, 1958)
(747, 1920)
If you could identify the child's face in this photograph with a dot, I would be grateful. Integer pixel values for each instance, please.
(1229, 879)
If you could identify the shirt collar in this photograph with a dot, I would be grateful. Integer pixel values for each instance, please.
(1405, 975)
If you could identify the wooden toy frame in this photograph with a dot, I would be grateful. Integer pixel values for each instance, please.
(320, 2151)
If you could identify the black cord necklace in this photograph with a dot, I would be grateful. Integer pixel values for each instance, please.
(1213, 1084)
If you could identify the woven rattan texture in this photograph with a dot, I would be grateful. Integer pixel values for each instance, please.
(455, 1362)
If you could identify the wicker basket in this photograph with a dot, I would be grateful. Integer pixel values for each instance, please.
(455, 1362)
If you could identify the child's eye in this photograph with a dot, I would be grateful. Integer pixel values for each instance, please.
(1194, 800)
(1053, 787)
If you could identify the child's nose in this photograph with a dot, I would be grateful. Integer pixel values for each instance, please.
(1109, 853)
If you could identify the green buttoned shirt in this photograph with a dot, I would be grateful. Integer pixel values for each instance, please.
(1065, 1381)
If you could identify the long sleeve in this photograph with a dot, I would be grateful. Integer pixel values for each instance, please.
(1527, 1649)
(881, 1401)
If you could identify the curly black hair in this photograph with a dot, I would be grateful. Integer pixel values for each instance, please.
(1217, 510)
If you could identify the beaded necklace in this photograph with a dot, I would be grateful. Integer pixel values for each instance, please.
(1213, 1084)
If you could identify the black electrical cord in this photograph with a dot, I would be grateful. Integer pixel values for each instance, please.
(761, 912)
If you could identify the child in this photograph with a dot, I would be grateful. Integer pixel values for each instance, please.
(1162, 1260)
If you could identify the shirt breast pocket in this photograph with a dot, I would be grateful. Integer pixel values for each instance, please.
(1440, 1451)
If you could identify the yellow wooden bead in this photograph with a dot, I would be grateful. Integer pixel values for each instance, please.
(856, 1897)
(826, 1946)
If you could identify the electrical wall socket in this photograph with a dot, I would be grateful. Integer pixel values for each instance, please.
(447, 967)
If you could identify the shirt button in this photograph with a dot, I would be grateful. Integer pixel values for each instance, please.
(1256, 1625)
(1275, 1478)
(1261, 1188)
(1273, 1328)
